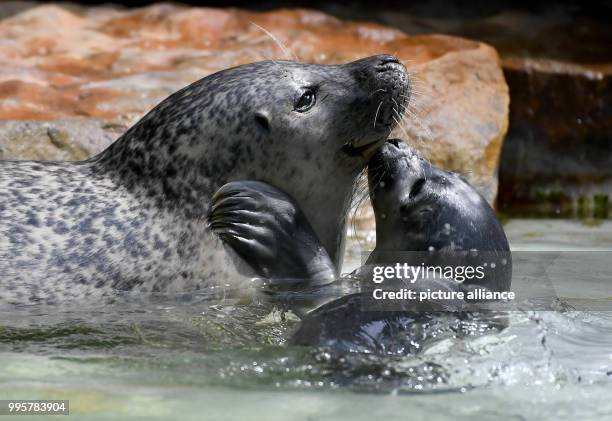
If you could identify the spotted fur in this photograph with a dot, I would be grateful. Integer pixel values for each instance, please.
(134, 217)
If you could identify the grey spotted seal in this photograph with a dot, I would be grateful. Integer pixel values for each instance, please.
(133, 218)
(418, 208)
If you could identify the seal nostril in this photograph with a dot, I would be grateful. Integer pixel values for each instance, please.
(389, 59)
(387, 63)
(417, 187)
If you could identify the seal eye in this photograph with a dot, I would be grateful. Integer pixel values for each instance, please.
(306, 101)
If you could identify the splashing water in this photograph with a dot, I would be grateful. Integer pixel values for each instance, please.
(169, 357)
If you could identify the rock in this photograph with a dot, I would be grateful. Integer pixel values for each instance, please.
(56, 140)
(556, 158)
(81, 73)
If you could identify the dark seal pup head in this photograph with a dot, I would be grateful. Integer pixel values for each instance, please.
(422, 208)
(307, 129)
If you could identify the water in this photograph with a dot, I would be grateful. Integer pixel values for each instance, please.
(198, 357)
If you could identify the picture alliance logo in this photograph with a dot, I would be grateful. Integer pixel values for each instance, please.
(476, 294)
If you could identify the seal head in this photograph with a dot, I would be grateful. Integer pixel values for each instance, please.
(422, 208)
(307, 129)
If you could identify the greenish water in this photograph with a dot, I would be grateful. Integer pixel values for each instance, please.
(198, 357)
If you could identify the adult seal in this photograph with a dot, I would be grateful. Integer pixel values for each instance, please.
(134, 217)
(423, 214)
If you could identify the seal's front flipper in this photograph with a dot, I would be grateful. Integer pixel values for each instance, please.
(266, 227)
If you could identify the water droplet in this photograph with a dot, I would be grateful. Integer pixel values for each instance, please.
(382, 184)
(493, 265)
(383, 216)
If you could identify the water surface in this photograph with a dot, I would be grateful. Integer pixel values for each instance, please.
(201, 357)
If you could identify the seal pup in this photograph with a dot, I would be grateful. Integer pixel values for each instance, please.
(133, 217)
(418, 208)
(421, 208)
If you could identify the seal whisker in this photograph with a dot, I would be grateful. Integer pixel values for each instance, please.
(415, 81)
(419, 122)
(420, 88)
(419, 96)
(378, 90)
(360, 195)
(285, 50)
(323, 99)
(376, 114)
(417, 112)
(401, 126)
(400, 108)
(415, 78)
(421, 108)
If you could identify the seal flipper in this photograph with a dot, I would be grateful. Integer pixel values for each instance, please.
(267, 228)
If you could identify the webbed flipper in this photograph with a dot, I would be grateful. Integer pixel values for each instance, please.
(267, 228)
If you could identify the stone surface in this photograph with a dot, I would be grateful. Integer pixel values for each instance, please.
(557, 158)
(557, 60)
(82, 75)
(72, 139)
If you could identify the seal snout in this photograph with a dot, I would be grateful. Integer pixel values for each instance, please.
(390, 91)
(396, 161)
(381, 92)
(392, 152)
